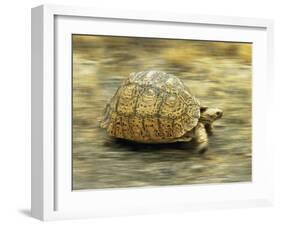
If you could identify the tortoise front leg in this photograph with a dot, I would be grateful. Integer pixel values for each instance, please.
(209, 128)
(201, 138)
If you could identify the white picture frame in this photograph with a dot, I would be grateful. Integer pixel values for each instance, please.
(52, 197)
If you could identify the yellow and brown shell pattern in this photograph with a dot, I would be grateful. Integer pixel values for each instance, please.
(151, 107)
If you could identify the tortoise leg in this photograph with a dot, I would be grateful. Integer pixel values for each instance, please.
(209, 128)
(201, 138)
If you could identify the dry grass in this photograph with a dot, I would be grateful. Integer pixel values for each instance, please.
(185, 54)
(175, 52)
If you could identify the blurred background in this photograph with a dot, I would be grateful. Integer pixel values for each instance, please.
(217, 73)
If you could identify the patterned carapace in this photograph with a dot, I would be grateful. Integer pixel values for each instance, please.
(151, 107)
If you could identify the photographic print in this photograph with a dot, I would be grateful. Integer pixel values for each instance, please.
(160, 112)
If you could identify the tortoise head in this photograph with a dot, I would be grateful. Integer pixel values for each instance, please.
(209, 115)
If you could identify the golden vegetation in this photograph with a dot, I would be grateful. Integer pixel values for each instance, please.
(176, 52)
(186, 53)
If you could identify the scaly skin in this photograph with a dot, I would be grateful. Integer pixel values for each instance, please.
(205, 126)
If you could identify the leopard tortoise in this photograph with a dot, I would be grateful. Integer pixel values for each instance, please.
(156, 107)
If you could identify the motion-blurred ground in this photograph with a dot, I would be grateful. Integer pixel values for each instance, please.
(217, 73)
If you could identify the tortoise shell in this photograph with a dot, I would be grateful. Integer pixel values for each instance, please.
(151, 107)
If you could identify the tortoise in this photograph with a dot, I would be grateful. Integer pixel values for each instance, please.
(156, 107)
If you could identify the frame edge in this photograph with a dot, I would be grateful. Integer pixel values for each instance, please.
(40, 188)
(37, 40)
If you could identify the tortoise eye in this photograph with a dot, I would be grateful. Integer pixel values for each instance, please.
(219, 114)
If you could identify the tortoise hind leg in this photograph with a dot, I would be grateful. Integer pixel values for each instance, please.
(104, 120)
(201, 138)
